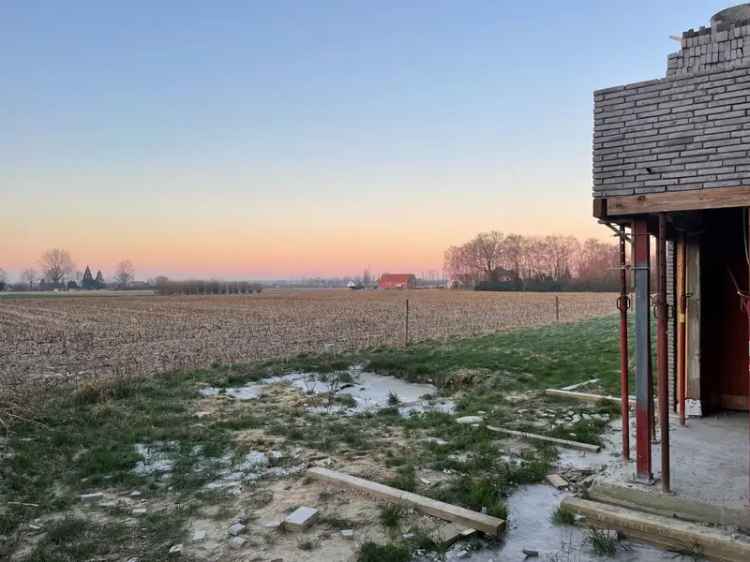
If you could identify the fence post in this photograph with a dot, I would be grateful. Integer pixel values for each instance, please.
(557, 309)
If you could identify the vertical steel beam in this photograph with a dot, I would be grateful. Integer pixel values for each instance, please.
(746, 302)
(643, 382)
(623, 304)
(681, 302)
(661, 351)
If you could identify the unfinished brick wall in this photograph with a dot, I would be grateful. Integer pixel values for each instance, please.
(721, 47)
(690, 130)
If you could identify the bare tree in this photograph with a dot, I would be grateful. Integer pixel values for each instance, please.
(124, 273)
(55, 265)
(29, 277)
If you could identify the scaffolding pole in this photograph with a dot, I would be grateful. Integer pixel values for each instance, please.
(623, 304)
(643, 410)
(661, 351)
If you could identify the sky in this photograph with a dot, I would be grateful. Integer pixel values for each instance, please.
(280, 139)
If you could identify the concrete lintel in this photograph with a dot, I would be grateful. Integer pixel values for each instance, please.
(712, 543)
(651, 499)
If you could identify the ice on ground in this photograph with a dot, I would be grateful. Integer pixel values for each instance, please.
(368, 391)
(156, 458)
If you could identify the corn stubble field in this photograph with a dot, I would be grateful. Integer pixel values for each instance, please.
(48, 339)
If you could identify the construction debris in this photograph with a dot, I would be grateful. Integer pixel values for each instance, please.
(585, 396)
(487, 524)
(589, 448)
(580, 384)
(557, 481)
(301, 518)
(714, 544)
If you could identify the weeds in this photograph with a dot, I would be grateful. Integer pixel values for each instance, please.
(405, 479)
(602, 542)
(372, 552)
(563, 516)
(391, 515)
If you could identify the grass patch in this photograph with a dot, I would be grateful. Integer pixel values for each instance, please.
(602, 542)
(405, 479)
(478, 494)
(563, 516)
(391, 515)
(372, 552)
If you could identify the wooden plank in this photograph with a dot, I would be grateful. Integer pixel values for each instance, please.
(670, 533)
(580, 384)
(585, 396)
(646, 498)
(487, 524)
(557, 481)
(691, 200)
(589, 448)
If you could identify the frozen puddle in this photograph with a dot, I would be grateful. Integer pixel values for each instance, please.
(530, 527)
(368, 391)
(157, 458)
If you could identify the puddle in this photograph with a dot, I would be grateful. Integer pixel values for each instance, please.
(156, 458)
(368, 392)
(530, 526)
(249, 392)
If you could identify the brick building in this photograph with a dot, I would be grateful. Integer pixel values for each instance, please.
(397, 281)
(671, 163)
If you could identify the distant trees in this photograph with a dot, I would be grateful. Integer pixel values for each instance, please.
(516, 262)
(29, 276)
(198, 287)
(56, 264)
(3, 279)
(124, 273)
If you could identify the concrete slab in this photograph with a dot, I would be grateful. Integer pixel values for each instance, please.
(709, 460)
(301, 518)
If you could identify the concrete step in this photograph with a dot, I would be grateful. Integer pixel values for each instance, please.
(709, 542)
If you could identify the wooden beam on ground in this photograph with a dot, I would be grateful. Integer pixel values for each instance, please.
(670, 201)
(588, 447)
(585, 396)
(662, 531)
(580, 384)
(487, 524)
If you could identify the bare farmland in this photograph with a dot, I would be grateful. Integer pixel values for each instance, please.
(81, 336)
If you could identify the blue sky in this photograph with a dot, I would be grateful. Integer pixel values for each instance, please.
(405, 126)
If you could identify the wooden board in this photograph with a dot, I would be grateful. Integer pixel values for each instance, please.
(557, 481)
(691, 200)
(580, 384)
(662, 531)
(487, 524)
(589, 448)
(585, 396)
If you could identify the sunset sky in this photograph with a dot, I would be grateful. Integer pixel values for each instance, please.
(266, 140)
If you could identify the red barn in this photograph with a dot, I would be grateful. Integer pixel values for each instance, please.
(397, 281)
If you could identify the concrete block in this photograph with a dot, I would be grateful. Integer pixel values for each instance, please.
(237, 529)
(301, 518)
(557, 481)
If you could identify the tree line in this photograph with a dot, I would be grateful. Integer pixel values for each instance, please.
(494, 261)
(57, 270)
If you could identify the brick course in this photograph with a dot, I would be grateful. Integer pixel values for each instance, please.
(673, 134)
(690, 130)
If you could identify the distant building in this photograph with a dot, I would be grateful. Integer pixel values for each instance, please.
(397, 281)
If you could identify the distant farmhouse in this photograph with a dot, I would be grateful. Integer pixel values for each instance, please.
(397, 281)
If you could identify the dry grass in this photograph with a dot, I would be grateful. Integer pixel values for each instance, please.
(56, 339)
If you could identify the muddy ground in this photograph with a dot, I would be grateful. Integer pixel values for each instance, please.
(206, 465)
